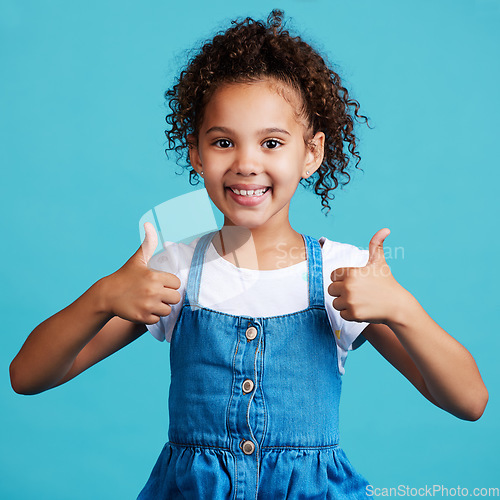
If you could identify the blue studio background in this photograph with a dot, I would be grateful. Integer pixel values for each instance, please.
(82, 159)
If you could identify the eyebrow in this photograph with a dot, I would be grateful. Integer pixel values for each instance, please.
(269, 130)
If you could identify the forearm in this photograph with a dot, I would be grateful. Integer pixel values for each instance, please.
(51, 348)
(448, 369)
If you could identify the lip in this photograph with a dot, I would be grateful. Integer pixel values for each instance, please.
(248, 201)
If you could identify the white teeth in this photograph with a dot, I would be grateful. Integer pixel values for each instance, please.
(250, 192)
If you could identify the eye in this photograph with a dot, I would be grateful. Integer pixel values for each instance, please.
(222, 143)
(272, 143)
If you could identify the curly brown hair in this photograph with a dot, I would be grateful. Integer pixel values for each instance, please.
(250, 51)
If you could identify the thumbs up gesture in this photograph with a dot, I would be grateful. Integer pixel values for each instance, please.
(368, 293)
(138, 293)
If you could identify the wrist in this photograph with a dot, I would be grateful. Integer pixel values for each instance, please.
(403, 311)
(101, 297)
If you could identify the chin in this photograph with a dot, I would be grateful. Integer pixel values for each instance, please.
(246, 222)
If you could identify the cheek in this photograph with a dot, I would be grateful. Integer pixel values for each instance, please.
(212, 184)
(289, 170)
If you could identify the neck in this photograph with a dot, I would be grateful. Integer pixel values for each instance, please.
(260, 248)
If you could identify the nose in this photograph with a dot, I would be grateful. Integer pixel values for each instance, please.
(246, 161)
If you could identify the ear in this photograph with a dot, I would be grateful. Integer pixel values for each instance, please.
(194, 155)
(314, 155)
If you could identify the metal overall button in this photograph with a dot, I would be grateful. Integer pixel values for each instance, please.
(248, 386)
(251, 333)
(247, 446)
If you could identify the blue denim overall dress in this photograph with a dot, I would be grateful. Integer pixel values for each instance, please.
(254, 403)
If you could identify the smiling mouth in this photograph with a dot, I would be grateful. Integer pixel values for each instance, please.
(249, 192)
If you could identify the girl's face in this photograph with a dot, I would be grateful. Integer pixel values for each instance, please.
(252, 139)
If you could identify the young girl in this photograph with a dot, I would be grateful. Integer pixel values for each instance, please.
(260, 317)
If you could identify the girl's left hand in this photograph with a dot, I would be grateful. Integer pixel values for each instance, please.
(367, 293)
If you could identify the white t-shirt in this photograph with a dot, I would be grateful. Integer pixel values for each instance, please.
(255, 293)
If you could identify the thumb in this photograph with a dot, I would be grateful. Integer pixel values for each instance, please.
(149, 244)
(376, 248)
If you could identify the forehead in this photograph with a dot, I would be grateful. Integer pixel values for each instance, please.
(249, 102)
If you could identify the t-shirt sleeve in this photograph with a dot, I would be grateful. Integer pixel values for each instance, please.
(351, 330)
(169, 260)
(347, 333)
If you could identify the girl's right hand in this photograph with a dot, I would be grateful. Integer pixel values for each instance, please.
(137, 293)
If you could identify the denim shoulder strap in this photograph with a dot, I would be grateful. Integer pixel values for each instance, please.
(194, 277)
(315, 272)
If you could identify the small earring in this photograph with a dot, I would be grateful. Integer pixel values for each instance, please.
(307, 172)
(201, 172)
